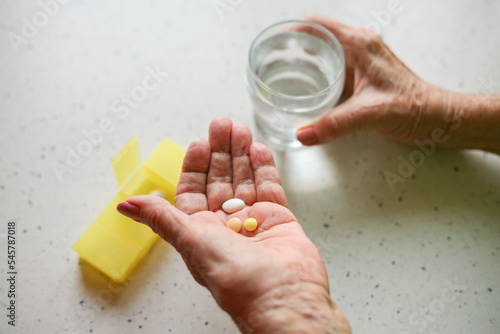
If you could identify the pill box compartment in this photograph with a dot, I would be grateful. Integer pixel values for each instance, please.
(114, 243)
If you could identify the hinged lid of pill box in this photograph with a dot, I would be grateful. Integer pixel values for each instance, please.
(127, 162)
(114, 243)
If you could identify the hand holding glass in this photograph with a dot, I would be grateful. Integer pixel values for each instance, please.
(295, 72)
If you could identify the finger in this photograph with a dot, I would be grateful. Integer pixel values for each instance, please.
(191, 194)
(349, 61)
(243, 179)
(347, 36)
(220, 171)
(348, 117)
(162, 217)
(356, 42)
(343, 32)
(267, 180)
(341, 36)
(348, 85)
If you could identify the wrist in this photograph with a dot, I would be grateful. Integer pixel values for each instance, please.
(469, 120)
(294, 308)
(480, 128)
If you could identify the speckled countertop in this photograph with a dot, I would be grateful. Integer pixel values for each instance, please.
(421, 257)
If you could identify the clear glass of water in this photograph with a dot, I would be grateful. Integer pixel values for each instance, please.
(295, 72)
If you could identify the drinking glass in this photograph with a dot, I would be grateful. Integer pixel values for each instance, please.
(295, 72)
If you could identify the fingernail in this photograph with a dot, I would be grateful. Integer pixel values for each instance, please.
(307, 136)
(130, 210)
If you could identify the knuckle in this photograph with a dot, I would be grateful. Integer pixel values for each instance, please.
(371, 36)
(371, 40)
(331, 124)
(154, 216)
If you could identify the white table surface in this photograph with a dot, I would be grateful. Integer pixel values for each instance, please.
(391, 255)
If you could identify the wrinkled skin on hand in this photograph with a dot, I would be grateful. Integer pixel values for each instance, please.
(244, 271)
(383, 96)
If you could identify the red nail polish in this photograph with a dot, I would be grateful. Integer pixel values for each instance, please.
(307, 136)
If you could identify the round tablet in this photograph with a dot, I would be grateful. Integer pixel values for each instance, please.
(250, 224)
(234, 224)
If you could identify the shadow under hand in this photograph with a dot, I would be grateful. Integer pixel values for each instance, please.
(350, 178)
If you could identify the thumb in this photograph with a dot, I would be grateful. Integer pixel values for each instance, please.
(337, 122)
(157, 213)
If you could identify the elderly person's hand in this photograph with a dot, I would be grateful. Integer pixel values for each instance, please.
(270, 280)
(383, 96)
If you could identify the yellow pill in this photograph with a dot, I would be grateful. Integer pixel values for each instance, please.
(250, 224)
(234, 224)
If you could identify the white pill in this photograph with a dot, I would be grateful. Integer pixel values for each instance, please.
(232, 205)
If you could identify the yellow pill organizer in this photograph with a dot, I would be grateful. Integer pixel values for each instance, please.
(114, 243)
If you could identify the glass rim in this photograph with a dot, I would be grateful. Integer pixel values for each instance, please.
(301, 97)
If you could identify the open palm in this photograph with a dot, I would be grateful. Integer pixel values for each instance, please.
(244, 270)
